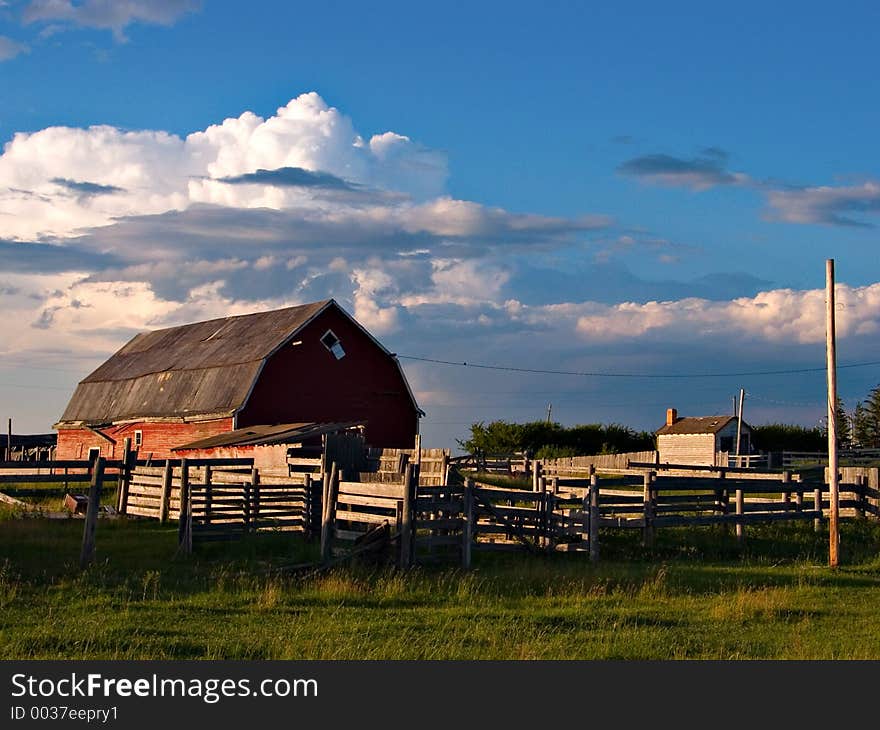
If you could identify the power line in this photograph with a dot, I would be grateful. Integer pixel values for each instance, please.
(538, 371)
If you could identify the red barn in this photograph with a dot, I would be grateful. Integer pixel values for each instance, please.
(170, 387)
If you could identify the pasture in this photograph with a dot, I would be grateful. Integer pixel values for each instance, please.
(693, 594)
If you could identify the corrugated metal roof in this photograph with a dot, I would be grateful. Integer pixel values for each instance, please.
(697, 424)
(201, 368)
(277, 434)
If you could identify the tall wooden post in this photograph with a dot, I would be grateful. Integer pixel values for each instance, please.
(467, 528)
(165, 498)
(124, 477)
(831, 358)
(329, 514)
(406, 525)
(9, 440)
(307, 505)
(184, 520)
(594, 518)
(739, 423)
(87, 553)
(740, 511)
(647, 499)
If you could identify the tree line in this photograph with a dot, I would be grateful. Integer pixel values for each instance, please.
(859, 428)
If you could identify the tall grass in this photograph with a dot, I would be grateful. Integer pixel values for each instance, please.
(695, 595)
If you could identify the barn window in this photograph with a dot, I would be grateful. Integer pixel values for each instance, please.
(94, 453)
(138, 439)
(332, 343)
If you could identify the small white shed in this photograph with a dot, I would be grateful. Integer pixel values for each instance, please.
(699, 439)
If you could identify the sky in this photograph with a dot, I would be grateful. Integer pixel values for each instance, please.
(636, 199)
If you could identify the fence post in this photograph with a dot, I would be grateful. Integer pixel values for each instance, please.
(307, 505)
(648, 529)
(786, 495)
(165, 497)
(184, 521)
(861, 495)
(329, 514)
(817, 505)
(87, 553)
(536, 476)
(593, 533)
(467, 527)
(124, 477)
(740, 511)
(255, 486)
(406, 526)
(209, 489)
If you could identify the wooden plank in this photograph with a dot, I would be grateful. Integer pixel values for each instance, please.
(379, 502)
(364, 517)
(372, 490)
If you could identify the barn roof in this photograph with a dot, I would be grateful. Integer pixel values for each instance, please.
(205, 368)
(697, 424)
(275, 434)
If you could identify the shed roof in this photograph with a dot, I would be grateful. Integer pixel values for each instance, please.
(697, 424)
(275, 434)
(194, 369)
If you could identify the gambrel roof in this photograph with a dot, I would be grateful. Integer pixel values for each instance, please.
(204, 369)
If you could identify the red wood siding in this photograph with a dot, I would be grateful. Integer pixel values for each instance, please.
(158, 438)
(306, 382)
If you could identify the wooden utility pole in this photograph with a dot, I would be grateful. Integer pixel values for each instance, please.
(549, 411)
(831, 358)
(739, 424)
(9, 441)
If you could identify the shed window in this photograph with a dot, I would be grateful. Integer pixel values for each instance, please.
(94, 453)
(138, 439)
(332, 343)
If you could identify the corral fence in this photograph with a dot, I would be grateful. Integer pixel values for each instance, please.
(846, 457)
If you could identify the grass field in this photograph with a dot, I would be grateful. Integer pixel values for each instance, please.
(695, 596)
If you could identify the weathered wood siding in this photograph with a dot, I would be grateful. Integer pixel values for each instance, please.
(687, 448)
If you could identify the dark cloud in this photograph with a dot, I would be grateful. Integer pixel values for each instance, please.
(609, 283)
(82, 187)
(291, 177)
(704, 171)
(44, 258)
(833, 206)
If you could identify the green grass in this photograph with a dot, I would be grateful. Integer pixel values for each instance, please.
(694, 595)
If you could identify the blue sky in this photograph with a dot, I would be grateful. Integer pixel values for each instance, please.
(640, 188)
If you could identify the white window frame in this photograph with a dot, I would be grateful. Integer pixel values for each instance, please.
(336, 348)
(138, 439)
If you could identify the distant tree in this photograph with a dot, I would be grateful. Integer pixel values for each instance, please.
(862, 431)
(787, 437)
(540, 437)
(868, 427)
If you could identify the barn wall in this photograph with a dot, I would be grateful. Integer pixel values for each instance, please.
(266, 456)
(306, 382)
(158, 439)
(687, 448)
